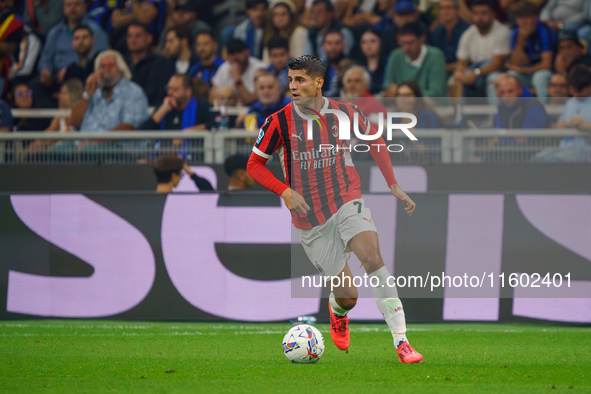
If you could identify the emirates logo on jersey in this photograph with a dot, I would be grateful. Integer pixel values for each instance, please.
(315, 159)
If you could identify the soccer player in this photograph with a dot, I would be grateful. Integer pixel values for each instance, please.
(322, 190)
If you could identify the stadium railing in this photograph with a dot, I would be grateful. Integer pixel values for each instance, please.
(434, 146)
(444, 110)
(233, 141)
(55, 112)
(521, 146)
(103, 147)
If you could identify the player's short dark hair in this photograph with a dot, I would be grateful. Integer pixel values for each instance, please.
(236, 45)
(165, 166)
(579, 77)
(140, 25)
(477, 3)
(208, 33)
(253, 3)
(83, 27)
(183, 33)
(412, 28)
(524, 8)
(278, 42)
(234, 163)
(327, 4)
(311, 64)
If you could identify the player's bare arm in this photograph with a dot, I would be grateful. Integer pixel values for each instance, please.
(409, 205)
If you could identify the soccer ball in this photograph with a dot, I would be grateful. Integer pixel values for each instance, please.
(303, 344)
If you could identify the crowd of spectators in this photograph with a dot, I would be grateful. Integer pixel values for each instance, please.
(181, 57)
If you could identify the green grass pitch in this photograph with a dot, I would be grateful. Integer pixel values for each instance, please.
(105, 356)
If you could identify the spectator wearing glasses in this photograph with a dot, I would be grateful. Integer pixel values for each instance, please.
(577, 110)
(180, 110)
(557, 89)
(575, 114)
(23, 99)
(416, 61)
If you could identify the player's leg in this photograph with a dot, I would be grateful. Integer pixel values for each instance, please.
(325, 250)
(365, 245)
(342, 299)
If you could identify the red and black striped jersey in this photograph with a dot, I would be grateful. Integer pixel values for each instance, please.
(319, 168)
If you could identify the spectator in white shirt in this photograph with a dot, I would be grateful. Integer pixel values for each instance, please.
(482, 51)
(239, 71)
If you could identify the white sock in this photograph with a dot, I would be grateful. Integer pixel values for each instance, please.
(336, 308)
(389, 304)
(398, 339)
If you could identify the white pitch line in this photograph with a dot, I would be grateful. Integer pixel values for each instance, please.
(238, 329)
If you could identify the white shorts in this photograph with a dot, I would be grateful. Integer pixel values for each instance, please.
(327, 245)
